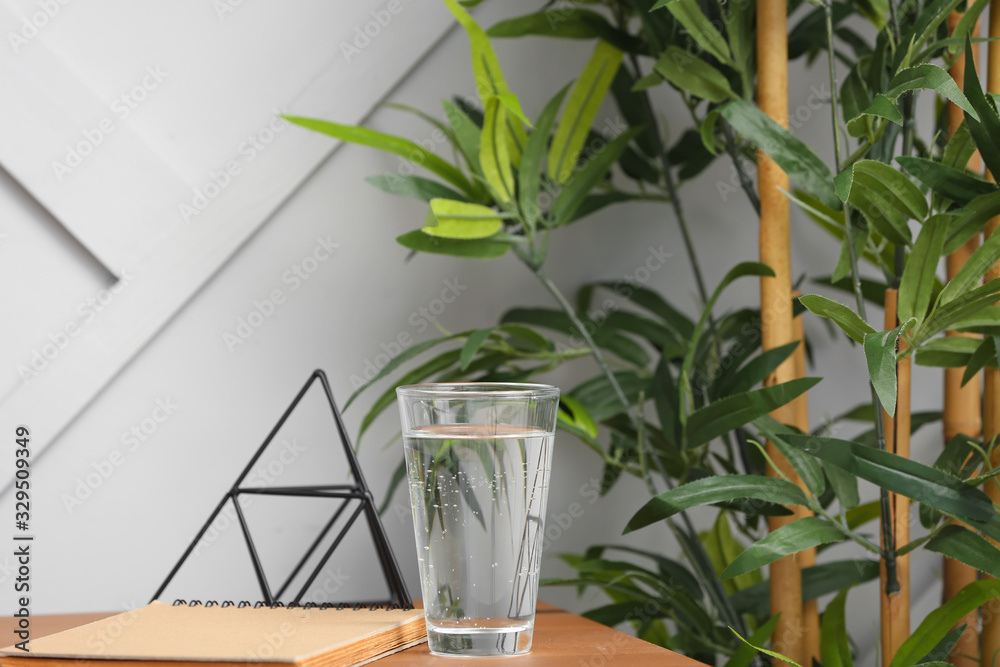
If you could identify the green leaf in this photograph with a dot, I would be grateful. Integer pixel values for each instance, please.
(967, 547)
(797, 160)
(920, 272)
(959, 148)
(730, 548)
(472, 345)
(647, 82)
(978, 263)
(638, 112)
(583, 180)
(468, 135)
(948, 352)
(741, 270)
(862, 514)
(756, 370)
(655, 303)
(788, 539)
(688, 13)
(880, 352)
(873, 291)
(939, 622)
(522, 335)
(930, 77)
(854, 96)
(565, 22)
(957, 185)
(886, 197)
(835, 645)
(418, 374)
(984, 321)
(873, 10)
(450, 219)
(600, 400)
(805, 465)
(402, 358)
(494, 154)
(881, 107)
(390, 144)
(773, 654)
(817, 581)
(842, 316)
(482, 249)
(655, 332)
(581, 109)
(573, 410)
(485, 66)
(981, 117)
(593, 203)
(970, 219)
(969, 17)
(693, 75)
(665, 399)
(416, 187)
(530, 173)
(900, 475)
(961, 307)
(985, 355)
(745, 654)
(398, 475)
(845, 486)
(724, 415)
(715, 489)
(943, 648)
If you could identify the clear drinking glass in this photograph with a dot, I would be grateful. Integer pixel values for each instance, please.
(478, 457)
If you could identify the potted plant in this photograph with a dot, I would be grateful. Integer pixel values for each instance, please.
(730, 427)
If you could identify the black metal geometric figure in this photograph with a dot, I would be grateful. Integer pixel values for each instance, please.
(347, 492)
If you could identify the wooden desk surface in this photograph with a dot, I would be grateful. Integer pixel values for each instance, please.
(561, 638)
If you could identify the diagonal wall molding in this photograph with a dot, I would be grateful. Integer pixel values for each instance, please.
(158, 278)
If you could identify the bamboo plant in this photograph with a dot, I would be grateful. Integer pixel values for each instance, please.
(683, 404)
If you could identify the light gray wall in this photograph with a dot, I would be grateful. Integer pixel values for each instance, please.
(112, 549)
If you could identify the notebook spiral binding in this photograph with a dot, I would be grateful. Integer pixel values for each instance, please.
(260, 604)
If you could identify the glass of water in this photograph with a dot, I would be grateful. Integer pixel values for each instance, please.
(478, 457)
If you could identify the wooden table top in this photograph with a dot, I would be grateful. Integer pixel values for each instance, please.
(561, 638)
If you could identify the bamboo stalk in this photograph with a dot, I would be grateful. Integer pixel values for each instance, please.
(989, 640)
(807, 558)
(895, 607)
(961, 404)
(776, 301)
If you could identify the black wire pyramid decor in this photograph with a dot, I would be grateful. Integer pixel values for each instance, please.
(346, 492)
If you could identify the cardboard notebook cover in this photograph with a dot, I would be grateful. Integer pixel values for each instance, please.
(195, 635)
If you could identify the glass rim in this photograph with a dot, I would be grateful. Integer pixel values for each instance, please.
(478, 389)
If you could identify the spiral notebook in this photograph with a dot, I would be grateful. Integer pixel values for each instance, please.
(166, 635)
